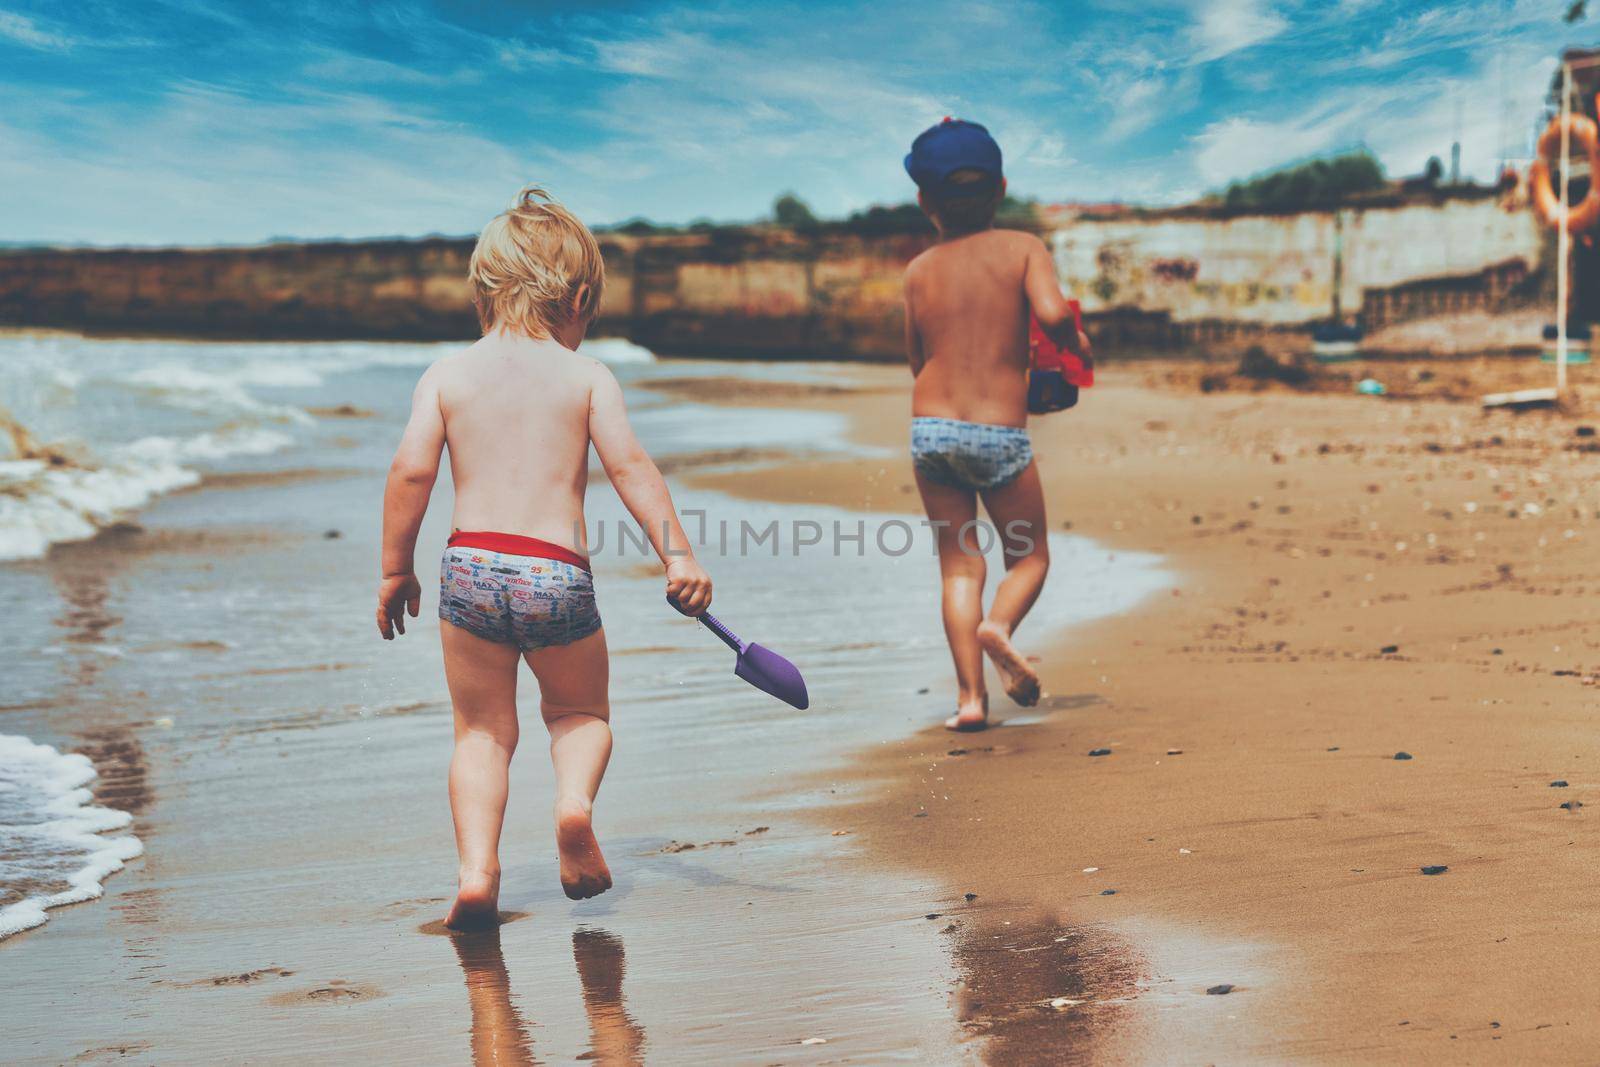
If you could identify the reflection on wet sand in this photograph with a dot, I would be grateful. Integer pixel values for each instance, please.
(614, 1038)
(500, 1035)
(499, 1032)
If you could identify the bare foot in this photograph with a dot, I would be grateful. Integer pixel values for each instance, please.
(1022, 682)
(973, 715)
(583, 869)
(477, 902)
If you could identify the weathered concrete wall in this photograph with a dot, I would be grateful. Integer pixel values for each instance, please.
(1149, 280)
(1279, 270)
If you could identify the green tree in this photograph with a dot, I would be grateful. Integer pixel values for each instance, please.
(1315, 183)
(792, 213)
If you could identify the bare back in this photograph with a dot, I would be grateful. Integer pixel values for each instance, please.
(966, 302)
(516, 419)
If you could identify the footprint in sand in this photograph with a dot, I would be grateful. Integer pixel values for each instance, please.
(336, 991)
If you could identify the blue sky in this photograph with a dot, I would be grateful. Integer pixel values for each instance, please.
(193, 121)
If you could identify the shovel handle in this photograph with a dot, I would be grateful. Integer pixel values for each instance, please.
(709, 621)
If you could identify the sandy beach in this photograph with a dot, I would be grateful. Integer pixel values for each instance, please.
(1261, 597)
(1379, 659)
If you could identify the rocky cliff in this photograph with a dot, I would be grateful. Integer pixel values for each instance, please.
(733, 292)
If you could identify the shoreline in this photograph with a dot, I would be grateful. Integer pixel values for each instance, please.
(1347, 571)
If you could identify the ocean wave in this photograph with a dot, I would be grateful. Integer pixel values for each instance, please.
(48, 498)
(57, 849)
(210, 391)
(617, 350)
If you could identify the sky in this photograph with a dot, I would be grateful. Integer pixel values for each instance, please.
(151, 122)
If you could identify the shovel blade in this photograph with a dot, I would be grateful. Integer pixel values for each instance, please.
(771, 673)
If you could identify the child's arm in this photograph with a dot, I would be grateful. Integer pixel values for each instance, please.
(644, 492)
(405, 500)
(1047, 303)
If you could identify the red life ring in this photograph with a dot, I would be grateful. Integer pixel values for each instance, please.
(1583, 137)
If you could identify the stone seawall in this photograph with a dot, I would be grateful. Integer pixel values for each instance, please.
(1148, 280)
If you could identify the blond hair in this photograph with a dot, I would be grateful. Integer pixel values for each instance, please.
(530, 264)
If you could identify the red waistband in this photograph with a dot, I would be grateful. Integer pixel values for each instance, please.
(516, 545)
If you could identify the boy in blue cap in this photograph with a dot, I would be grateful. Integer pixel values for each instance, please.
(968, 302)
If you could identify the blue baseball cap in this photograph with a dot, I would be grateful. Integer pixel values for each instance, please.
(954, 144)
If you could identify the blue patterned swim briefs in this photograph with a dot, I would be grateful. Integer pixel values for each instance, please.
(538, 596)
(969, 455)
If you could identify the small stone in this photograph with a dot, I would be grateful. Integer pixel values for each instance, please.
(1174, 751)
(1402, 755)
(1389, 650)
(1335, 748)
(920, 815)
(1584, 431)
(1185, 852)
(1108, 892)
(840, 833)
(1438, 868)
(1573, 805)
(1090, 870)
(1099, 752)
(815, 1041)
(970, 897)
(931, 915)
(1498, 652)
(1220, 990)
(331, 535)
(1062, 1003)
(923, 691)
(1559, 783)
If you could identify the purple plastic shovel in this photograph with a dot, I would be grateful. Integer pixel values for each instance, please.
(761, 667)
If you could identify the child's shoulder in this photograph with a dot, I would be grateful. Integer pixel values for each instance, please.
(1018, 243)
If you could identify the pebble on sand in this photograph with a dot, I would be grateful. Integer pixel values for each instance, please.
(1559, 783)
(1174, 751)
(1389, 650)
(1099, 752)
(1221, 990)
(1402, 755)
(931, 915)
(1437, 868)
(970, 897)
(1573, 805)
(1062, 1003)
(815, 1041)
(1108, 892)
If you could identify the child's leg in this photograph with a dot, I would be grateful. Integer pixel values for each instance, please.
(574, 682)
(1017, 510)
(483, 689)
(961, 570)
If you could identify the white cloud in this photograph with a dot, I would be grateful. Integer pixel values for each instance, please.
(23, 30)
(1223, 27)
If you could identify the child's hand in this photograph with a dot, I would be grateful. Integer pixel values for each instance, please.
(397, 594)
(688, 586)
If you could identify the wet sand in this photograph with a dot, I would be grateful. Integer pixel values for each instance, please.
(1357, 578)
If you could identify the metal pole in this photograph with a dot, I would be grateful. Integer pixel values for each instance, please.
(1563, 239)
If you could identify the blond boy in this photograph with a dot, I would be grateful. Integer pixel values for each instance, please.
(518, 410)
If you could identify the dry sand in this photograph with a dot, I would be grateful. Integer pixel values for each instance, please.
(1354, 578)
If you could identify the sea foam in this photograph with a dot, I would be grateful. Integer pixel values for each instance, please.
(56, 843)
